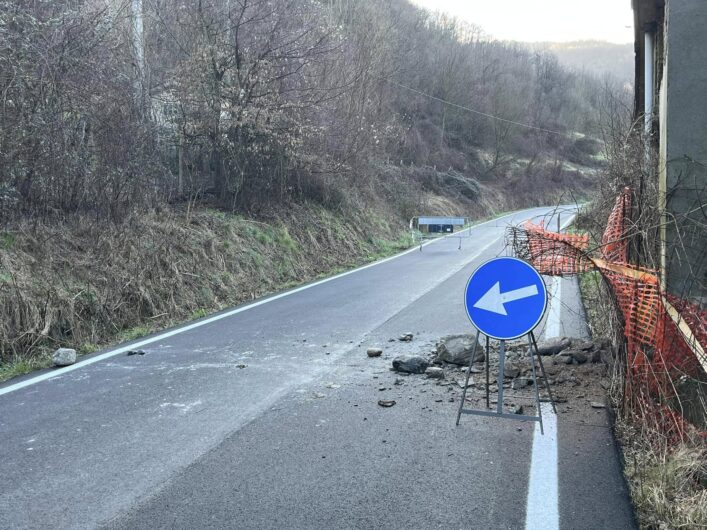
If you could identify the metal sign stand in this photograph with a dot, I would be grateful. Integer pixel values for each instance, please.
(532, 352)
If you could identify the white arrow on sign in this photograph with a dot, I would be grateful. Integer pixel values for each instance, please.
(493, 300)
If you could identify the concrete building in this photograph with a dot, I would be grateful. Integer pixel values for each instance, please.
(671, 95)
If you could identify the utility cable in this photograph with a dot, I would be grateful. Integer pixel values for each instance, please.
(474, 111)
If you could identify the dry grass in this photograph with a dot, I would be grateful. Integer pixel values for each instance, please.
(88, 284)
(668, 482)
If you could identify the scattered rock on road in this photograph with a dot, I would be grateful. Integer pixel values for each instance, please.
(386, 402)
(411, 365)
(374, 352)
(580, 357)
(64, 357)
(511, 371)
(587, 345)
(405, 337)
(574, 356)
(457, 349)
(434, 372)
(554, 345)
(520, 383)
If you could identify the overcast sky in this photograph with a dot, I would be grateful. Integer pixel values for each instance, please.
(544, 20)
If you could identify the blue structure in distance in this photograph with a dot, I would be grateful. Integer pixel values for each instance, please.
(505, 298)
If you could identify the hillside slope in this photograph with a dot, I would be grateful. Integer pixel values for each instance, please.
(169, 158)
(596, 57)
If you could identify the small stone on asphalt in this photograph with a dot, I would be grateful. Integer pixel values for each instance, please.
(412, 365)
(374, 352)
(434, 372)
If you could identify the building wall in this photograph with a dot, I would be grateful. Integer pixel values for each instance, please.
(683, 120)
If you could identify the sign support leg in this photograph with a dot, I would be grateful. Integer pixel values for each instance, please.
(534, 345)
(501, 375)
(488, 352)
(535, 385)
(499, 412)
(468, 375)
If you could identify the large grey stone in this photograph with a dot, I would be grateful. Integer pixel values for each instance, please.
(554, 345)
(411, 365)
(511, 371)
(579, 356)
(64, 357)
(456, 349)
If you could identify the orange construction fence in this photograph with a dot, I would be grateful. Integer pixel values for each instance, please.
(666, 337)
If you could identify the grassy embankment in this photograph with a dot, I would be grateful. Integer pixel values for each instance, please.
(91, 285)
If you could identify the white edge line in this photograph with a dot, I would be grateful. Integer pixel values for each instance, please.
(569, 222)
(553, 323)
(542, 504)
(135, 345)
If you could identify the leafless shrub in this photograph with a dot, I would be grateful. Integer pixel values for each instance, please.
(114, 107)
(664, 455)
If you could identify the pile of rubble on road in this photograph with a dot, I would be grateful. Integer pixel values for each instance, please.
(569, 362)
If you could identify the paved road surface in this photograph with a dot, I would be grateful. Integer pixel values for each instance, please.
(183, 438)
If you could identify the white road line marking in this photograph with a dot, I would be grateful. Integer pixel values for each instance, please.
(542, 511)
(553, 325)
(542, 506)
(188, 327)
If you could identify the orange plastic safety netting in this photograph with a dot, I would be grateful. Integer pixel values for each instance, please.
(666, 337)
(614, 243)
(556, 254)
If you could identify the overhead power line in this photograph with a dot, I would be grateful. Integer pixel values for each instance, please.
(474, 111)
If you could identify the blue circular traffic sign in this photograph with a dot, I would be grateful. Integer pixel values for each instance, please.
(505, 298)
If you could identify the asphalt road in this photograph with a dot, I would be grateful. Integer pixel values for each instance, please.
(186, 437)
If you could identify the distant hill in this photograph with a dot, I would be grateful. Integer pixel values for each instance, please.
(596, 57)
